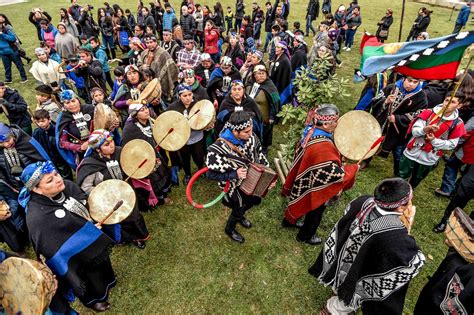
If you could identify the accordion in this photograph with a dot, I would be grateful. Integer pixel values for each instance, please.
(258, 180)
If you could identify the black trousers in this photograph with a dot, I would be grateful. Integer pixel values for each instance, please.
(197, 151)
(464, 193)
(311, 223)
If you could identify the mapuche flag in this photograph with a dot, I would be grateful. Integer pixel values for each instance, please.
(432, 59)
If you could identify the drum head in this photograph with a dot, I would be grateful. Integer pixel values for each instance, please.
(105, 196)
(27, 286)
(103, 116)
(201, 114)
(133, 154)
(151, 91)
(171, 130)
(355, 133)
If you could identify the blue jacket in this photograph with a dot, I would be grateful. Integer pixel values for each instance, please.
(168, 20)
(100, 55)
(463, 15)
(51, 29)
(78, 81)
(6, 39)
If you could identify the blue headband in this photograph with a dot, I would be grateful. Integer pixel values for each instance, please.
(67, 95)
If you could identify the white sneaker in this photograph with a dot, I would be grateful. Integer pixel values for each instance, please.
(345, 48)
(348, 49)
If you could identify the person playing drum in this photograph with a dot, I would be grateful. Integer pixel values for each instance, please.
(139, 126)
(195, 147)
(73, 128)
(317, 174)
(62, 233)
(227, 159)
(101, 163)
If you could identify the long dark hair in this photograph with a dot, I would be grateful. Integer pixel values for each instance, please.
(7, 21)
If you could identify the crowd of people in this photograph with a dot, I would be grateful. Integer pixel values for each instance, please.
(244, 62)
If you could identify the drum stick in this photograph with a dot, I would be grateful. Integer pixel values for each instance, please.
(139, 167)
(117, 205)
(5, 110)
(72, 136)
(169, 132)
(376, 143)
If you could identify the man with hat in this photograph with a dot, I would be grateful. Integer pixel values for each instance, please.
(226, 163)
(265, 94)
(47, 101)
(158, 60)
(73, 128)
(317, 174)
(254, 58)
(204, 69)
(189, 56)
(15, 108)
(170, 45)
(369, 258)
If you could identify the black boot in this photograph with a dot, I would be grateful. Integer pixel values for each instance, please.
(441, 226)
(231, 231)
(245, 223)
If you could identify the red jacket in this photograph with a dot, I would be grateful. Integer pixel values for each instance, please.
(468, 148)
(211, 37)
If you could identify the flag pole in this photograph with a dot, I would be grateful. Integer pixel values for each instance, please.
(401, 22)
(440, 114)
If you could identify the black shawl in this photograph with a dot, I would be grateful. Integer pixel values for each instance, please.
(67, 241)
(214, 87)
(228, 106)
(450, 290)
(200, 72)
(280, 74)
(94, 163)
(369, 259)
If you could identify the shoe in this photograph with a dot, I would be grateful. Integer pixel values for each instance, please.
(101, 306)
(139, 244)
(439, 192)
(235, 236)
(245, 223)
(348, 49)
(364, 165)
(28, 60)
(186, 179)
(8, 82)
(340, 64)
(287, 224)
(314, 240)
(345, 48)
(24, 81)
(440, 227)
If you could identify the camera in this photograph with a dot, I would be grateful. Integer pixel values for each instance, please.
(89, 7)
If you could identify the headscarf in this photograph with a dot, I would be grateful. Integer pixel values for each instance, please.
(40, 51)
(134, 108)
(31, 177)
(5, 132)
(96, 139)
(180, 89)
(67, 95)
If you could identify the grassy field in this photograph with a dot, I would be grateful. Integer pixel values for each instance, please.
(190, 266)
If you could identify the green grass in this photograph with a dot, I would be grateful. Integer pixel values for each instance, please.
(190, 266)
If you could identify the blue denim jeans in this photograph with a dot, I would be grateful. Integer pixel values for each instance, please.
(7, 60)
(397, 155)
(450, 174)
(350, 34)
(108, 41)
(268, 39)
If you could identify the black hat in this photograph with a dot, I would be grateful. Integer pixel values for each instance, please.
(43, 89)
(188, 37)
(392, 193)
